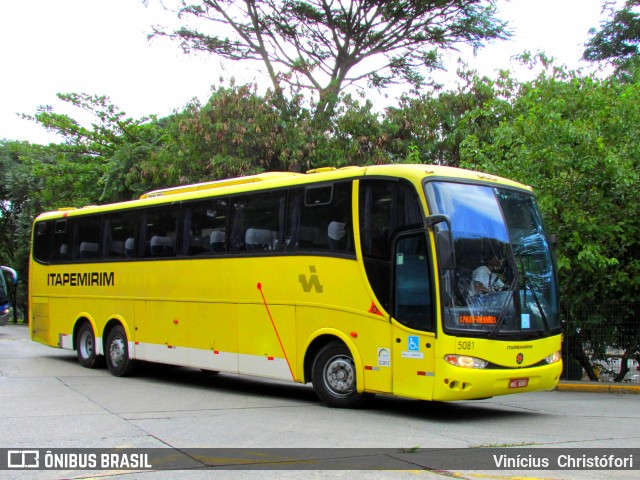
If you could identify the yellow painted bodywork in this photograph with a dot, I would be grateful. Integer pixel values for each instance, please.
(275, 307)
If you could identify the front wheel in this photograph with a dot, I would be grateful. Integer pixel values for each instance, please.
(334, 377)
(117, 353)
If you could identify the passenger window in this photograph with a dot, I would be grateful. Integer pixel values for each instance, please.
(120, 235)
(158, 231)
(87, 245)
(205, 226)
(320, 219)
(258, 222)
(43, 241)
(63, 234)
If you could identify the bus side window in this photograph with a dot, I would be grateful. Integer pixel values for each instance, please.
(258, 222)
(159, 228)
(120, 231)
(62, 238)
(320, 219)
(86, 243)
(205, 224)
(43, 242)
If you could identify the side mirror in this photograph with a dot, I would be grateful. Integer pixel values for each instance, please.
(436, 219)
(12, 273)
(444, 242)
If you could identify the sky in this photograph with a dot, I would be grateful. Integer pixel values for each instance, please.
(101, 47)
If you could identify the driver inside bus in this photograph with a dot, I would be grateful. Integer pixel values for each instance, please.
(487, 278)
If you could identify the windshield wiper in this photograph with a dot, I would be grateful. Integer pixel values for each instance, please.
(526, 280)
(503, 313)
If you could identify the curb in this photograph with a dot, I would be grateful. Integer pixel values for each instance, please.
(598, 387)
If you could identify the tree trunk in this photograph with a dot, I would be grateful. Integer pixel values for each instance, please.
(633, 346)
(576, 351)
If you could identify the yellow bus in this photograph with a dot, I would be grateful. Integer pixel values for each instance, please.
(360, 280)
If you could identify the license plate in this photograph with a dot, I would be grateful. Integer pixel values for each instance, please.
(518, 382)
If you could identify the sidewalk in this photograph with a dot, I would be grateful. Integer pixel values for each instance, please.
(598, 387)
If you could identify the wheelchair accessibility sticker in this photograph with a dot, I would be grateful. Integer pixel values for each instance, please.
(413, 344)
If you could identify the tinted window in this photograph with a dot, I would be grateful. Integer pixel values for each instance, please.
(120, 233)
(43, 241)
(386, 207)
(205, 226)
(413, 304)
(158, 231)
(258, 222)
(86, 244)
(320, 219)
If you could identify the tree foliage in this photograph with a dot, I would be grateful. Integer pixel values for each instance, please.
(324, 46)
(618, 39)
(107, 153)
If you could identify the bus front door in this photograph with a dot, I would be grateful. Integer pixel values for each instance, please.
(413, 324)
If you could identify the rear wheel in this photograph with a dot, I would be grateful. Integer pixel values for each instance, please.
(117, 353)
(334, 377)
(86, 347)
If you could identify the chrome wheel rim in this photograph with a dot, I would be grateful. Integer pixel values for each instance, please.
(86, 344)
(117, 351)
(340, 376)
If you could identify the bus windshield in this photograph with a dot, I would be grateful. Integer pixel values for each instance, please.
(501, 280)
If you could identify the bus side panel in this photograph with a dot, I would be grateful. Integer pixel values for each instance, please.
(213, 335)
(39, 324)
(267, 341)
(160, 331)
(369, 335)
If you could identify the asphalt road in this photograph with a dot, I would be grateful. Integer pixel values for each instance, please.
(47, 400)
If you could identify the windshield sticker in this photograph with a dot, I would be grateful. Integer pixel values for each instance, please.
(526, 320)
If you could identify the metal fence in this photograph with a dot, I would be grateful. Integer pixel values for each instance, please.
(599, 338)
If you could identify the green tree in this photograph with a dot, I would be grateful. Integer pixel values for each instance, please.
(237, 132)
(618, 39)
(20, 201)
(107, 155)
(323, 47)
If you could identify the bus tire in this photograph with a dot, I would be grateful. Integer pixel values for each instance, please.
(86, 347)
(117, 353)
(334, 377)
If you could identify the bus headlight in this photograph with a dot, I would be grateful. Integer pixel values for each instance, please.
(465, 361)
(554, 357)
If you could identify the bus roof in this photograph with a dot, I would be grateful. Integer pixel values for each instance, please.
(272, 180)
